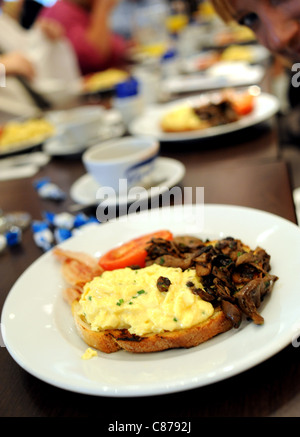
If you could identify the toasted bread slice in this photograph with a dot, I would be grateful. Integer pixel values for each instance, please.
(109, 341)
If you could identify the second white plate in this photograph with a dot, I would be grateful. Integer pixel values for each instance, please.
(148, 123)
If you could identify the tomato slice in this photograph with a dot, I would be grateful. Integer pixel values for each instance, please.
(243, 104)
(132, 253)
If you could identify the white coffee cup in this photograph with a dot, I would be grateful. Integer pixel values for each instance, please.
(78, 126)
(128, 158)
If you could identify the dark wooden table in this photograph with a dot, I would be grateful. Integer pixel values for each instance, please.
(242, 169)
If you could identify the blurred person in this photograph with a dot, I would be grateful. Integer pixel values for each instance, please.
(50, 28)
(20, 69)
(276, 25)
(13, 42)
(86, 24)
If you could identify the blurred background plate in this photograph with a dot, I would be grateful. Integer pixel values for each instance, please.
(148, 123)
(221, 75)
(19, 135)
(252, 54)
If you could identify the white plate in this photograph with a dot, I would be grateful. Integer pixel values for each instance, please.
(222, 75)
(167, 172)
(149, 122)
(38, 329)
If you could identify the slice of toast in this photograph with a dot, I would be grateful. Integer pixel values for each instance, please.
(112, 340)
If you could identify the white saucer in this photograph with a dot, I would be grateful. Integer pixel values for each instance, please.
(167, 173)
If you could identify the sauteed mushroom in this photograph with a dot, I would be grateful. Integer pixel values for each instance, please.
(232, 275)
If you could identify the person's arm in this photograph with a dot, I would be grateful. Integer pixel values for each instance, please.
(50, 28)
(99, 33)
(17, 65)
(95, 45)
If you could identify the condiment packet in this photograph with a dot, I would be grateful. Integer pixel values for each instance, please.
(48, 190)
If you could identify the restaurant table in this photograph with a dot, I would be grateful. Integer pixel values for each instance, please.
(243, 169)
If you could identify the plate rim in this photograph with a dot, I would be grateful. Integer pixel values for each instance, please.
(25, 145)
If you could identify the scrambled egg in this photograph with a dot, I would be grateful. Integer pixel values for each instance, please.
(237, 53)
(130, 299)
(243, 33)
(16, 132)
(105, 79)
(182, 119)
(89, 353)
